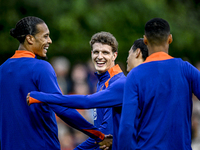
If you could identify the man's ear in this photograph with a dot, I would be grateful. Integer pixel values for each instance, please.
(145, 40)
(30, 39)
(115, 55)
(137, 51)
(170, 39)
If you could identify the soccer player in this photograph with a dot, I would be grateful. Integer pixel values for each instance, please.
(34, 127)
(104, 52)
(112, 96)
(157, 104)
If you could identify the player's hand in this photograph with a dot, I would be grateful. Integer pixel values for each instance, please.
(27, 99)
(106, 144)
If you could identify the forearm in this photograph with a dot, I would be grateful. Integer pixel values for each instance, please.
(89, 144)
(105, 127)
(97, 100)
(110, 97)
(75, 120)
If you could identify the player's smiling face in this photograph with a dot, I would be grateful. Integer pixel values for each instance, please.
(41, 40)
(102, 57)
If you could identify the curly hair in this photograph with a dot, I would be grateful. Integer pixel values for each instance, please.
(105, 38)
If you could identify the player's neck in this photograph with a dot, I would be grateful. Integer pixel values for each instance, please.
(161, 48)
(22, 47)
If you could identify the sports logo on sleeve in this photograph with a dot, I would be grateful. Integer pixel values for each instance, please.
(95, 113)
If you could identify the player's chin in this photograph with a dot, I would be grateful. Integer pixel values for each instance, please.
(101, 70)
(43, 55)
(128, 69)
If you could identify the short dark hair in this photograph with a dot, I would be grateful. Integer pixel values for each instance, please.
(105, 38)
(139, 43)
(157, 31)
(25, 26)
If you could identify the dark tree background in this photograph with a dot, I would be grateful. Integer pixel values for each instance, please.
(73, 22)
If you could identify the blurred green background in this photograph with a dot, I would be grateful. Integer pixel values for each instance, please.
(73, 22)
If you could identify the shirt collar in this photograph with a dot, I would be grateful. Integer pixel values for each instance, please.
(109, 74)
(23, 53)
(158, 56)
